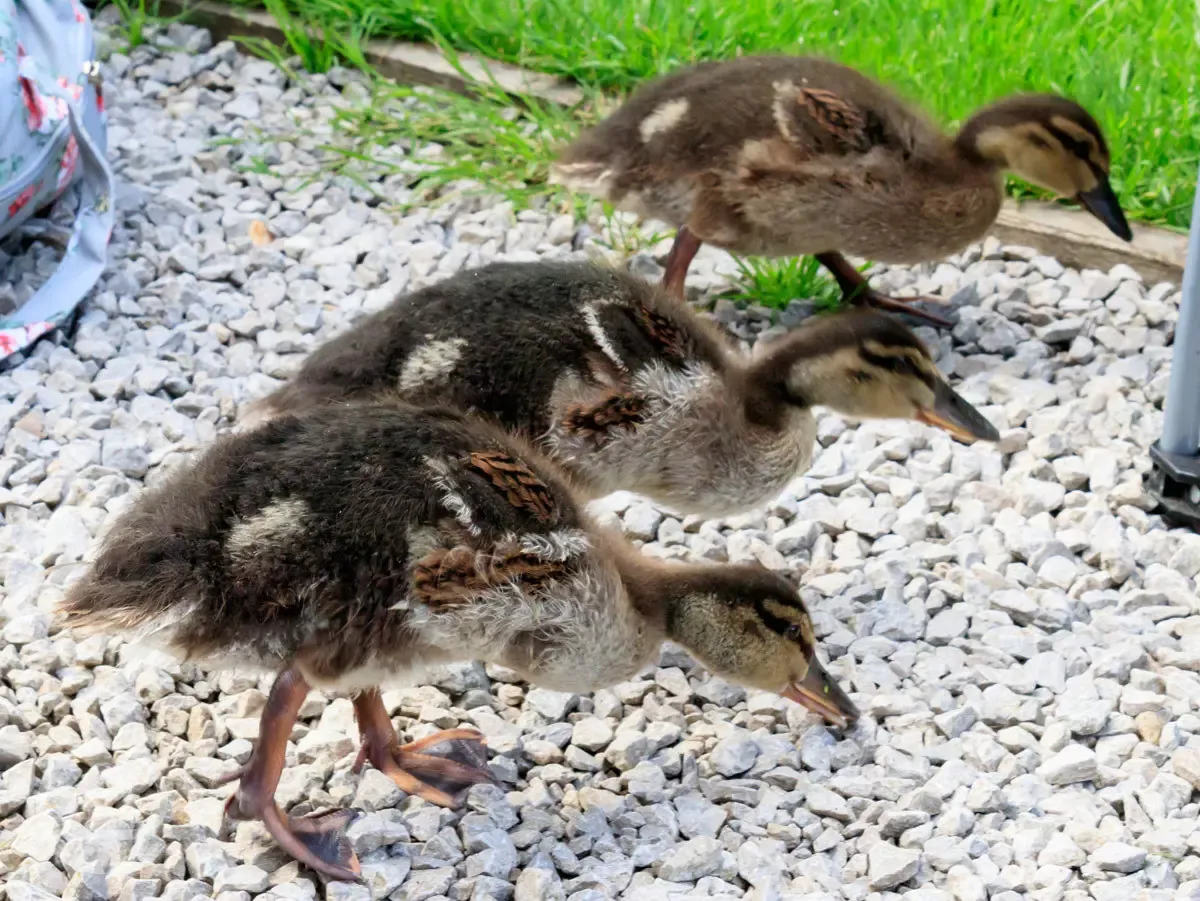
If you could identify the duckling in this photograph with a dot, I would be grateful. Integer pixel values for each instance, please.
(783, 155)
(359, 544)
(627, 387)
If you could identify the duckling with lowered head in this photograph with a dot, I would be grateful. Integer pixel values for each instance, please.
(627, 387)
(785, 155)
(358, 544)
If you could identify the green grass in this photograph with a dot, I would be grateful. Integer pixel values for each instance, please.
(317, 42)
(487, 145)
(776, 282)
(1134, 63)
(136, 18)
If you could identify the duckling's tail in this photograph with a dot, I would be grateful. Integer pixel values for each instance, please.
(296, 396)
(255, 414)
(142, 588)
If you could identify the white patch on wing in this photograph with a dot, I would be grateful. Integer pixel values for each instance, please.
(586, 177)
(431, 362)
(591, 317)
(274, 523)
(559, 545)
(665, 117)
(785, 95)
(451, 499)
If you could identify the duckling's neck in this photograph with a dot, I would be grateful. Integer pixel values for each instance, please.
(976, 144)
(691, 604)
(652, 595)
(666, 595)
(797, 371)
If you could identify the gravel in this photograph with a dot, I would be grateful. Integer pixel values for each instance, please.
(1021, 631)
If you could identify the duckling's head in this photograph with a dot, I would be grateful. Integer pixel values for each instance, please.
(749, 625)
(868, 365)
(1051, 142)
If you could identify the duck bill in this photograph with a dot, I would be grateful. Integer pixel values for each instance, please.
(819, 693)
(956, 416)
(1102, 203)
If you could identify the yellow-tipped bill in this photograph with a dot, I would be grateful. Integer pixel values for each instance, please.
(956, 416)
(819, 693)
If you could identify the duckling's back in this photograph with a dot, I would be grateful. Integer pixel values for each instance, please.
(301, 536)
(700, 117)
(497, 340)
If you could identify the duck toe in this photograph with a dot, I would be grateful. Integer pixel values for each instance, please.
(443, 767)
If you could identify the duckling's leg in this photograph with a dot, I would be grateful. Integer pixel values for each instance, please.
(317, 841)
(856, 290)
(440, 768)
(683, 251)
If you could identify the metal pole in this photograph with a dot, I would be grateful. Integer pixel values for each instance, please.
(1181, 420)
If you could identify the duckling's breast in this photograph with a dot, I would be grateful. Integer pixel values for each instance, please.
(875, 208)
(925, 226)
(574, 633)
(694, 450)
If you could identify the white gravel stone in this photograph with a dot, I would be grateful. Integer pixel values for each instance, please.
(641, 521)
(1118, 857)
(692, 860)
(592, 734)
(734, 755)
(627, 749)
(37, 838)
(826, 803)
(245, 878)
(538, 884)
(1074, 763)
(1186, 762)
(965, 885)
(889, 866)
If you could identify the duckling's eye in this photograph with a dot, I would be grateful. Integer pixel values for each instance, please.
(793, 633)
(861, 376)
(1038, 141)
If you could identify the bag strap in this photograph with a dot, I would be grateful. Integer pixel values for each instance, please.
(87, 251)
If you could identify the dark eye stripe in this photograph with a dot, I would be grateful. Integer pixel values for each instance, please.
(902, 365)
(1081, 149)
(773, 622)
(888, 362)
(783, 628)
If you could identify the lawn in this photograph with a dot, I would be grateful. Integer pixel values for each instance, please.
(1134, 63)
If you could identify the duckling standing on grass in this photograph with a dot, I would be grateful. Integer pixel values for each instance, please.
(625, 385)
(358, 544)
(782, 155)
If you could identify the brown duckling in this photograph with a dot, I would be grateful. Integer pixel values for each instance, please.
(360, 544)
(785, 155)
(625, 385)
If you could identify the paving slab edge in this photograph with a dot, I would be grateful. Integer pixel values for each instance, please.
(1070, 236)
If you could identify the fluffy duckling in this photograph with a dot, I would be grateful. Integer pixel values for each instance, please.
(784, 155)
(625, 385)
(359, 544)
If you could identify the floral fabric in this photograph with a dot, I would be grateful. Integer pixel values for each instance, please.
(51, 103)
